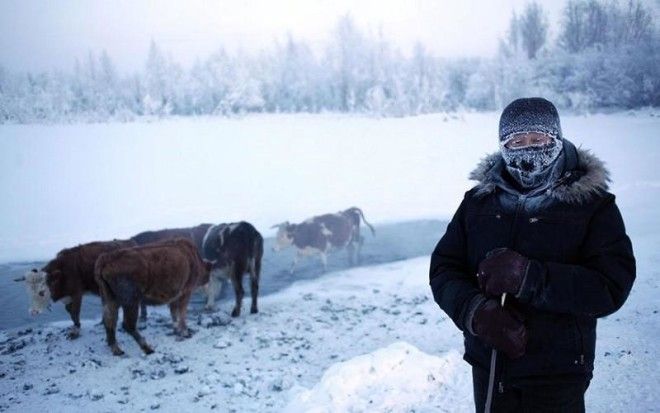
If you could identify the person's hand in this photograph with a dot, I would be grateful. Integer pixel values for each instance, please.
(502, 329)
(502, 271)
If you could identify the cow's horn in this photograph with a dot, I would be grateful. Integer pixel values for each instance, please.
(19, 279)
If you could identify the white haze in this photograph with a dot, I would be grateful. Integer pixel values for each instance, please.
(37, 36)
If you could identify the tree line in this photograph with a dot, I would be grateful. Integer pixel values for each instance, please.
(606, 54)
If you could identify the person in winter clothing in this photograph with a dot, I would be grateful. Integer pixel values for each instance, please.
(540, 228)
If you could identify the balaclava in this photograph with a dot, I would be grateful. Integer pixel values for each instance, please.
(530, 166)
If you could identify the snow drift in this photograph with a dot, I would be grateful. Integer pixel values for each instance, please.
(397, 378)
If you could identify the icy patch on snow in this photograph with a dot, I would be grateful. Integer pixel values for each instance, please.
(397, 378)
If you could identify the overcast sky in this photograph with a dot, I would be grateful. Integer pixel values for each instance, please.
(41, 35)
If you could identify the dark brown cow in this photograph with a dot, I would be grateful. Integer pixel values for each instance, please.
(195, 234)
(68, 277)
(320, 234)
(166, 272)
(236, 248)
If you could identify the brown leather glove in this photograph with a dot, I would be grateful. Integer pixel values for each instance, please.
(502, 271)
(501, 328)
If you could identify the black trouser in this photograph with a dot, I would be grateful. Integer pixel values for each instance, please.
(566, 396)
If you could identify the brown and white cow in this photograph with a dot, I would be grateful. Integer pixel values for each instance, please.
(236, 248)
(165, 272)
(319, 234)
(67, 278)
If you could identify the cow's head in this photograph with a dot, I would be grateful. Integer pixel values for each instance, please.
(207, 268)
(284, 237)
(219, 250)
(38, 291)
(55, 279)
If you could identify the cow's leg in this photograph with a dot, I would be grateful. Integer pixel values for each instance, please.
(130, 325)
(143, 315)
(182, 329)
(359, 249)
(174, 312)
(296, 258)
(73, 308)
(350, 248)
(324, 260)
(211, 289)
(236, 276)
(358, 240)
(110, 312)
(255, 270)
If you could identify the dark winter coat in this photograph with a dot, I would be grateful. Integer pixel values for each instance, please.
(582, 264)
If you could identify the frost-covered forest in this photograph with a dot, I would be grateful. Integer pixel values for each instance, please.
(601, 54)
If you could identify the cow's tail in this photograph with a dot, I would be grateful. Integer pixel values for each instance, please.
(361, 214)
(104, 287)
(258, 254)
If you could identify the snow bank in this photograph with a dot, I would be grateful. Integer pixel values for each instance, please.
(397, 378)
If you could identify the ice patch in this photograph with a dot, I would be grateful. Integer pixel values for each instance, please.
(397, 378)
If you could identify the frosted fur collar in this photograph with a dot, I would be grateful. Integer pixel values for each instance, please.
(584, 175)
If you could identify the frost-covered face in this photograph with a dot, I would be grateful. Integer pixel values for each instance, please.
(38, 291)
(529, 156)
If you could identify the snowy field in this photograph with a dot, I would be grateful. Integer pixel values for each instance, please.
(65, 184)
(73, 183)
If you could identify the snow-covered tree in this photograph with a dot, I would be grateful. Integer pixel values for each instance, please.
(606, 55)
(533, 27)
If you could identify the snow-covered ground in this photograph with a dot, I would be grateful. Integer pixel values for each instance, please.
(254, 363)
(366, 339)
(72, 183)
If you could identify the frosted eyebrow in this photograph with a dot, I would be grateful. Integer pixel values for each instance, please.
(519, 135)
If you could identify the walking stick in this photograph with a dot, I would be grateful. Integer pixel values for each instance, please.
(491, 376)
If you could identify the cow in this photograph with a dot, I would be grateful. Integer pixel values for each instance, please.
(236, 248)
(159, 273)
(195, 234)
(242, 252)
(68, 277)
(319, 234)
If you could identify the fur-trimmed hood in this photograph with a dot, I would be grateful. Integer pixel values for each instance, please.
(583, 177)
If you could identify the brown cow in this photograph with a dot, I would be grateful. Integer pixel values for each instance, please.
(317, 235)
(166, 272)
(67, 278)
(236, 248)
